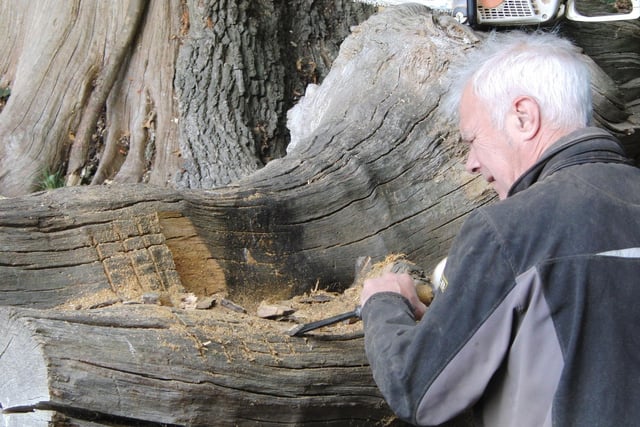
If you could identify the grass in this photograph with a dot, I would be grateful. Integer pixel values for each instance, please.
(50, 180)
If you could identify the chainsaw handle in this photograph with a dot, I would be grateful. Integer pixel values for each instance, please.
(573, 14)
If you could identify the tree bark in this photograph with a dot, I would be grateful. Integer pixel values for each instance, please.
(229, 79)
(242, 66)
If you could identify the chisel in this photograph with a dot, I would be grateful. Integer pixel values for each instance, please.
(424, 292)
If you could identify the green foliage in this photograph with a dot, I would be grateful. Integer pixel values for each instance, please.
(5, 92)
(50, 180)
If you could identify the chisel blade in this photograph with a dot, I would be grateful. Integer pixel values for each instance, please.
(302, 329)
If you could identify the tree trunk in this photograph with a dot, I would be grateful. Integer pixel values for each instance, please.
(80, 75)
(141, 130)
(376, 169)
(242, 66)
(92, 87)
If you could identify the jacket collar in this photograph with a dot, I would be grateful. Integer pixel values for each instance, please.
(587, 145)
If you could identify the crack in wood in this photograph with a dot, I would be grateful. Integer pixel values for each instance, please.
(64, 415)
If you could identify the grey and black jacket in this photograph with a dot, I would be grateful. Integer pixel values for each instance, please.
(537, 322)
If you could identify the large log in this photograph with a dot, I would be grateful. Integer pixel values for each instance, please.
(152, 365)
(376, 169)
(179, 367)
(62, 246)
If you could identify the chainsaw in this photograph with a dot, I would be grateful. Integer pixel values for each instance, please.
(510, 13)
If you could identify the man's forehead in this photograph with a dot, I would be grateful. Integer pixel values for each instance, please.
(467, 100)
(466, 109)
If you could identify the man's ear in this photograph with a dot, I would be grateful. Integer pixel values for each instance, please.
(527, 116)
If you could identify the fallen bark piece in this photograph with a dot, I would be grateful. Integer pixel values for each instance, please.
(269, 311)
(151, 298)
(230, 305)
(188, 302)
(206, 303)
(316, 298)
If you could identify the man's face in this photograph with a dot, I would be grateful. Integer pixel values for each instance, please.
(492, 152)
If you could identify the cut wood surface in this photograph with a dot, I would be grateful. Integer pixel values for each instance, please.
(137, 364)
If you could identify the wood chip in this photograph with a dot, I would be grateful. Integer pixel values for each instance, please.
(206, 303)
(151, 298)
(269, 311)
(105, 303)
(232, 306)
(188, 301)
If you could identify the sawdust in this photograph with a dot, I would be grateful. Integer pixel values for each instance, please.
(231, 321)
(319, 304)
(314, 305)
(107, 298)
(98, 299)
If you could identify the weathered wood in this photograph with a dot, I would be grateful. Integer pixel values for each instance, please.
(151, 363)
(366, 178)
(376, 169)
(57, 247)
(200, 96)
(615, 48)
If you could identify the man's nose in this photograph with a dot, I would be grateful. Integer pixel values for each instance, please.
(472, 165)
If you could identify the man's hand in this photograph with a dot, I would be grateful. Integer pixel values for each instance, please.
(391, 282)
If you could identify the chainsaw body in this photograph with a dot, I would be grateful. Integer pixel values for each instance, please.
(516, 12)
(513, 13)
(540, 12)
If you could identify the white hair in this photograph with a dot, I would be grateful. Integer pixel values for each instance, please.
(540, 64)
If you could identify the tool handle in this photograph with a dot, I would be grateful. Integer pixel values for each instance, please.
(425, 292)
(424, 289)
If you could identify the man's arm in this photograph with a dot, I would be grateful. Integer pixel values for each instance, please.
(433, 370)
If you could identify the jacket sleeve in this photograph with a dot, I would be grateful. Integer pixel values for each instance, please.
(433, 370)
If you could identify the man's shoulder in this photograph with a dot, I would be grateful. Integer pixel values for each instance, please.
(532, 213)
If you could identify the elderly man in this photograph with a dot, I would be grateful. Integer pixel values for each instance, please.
(535, 321)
